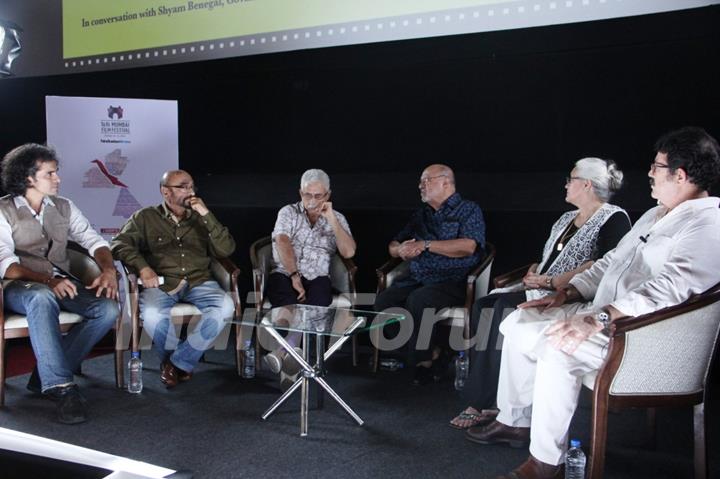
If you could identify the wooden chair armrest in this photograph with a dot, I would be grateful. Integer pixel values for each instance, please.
(478, 270)
(473, 276)
(505, 279)
(2, 311)
(134, 301)
(384, 270)
(231, 269)
(234, 272)
(132, 278)
(351, 271)
(388, 266)
(258, 285)
(350, 265)
(621, 326)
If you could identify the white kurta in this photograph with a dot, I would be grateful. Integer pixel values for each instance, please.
(661, 262)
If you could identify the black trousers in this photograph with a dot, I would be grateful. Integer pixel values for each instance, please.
(481, 386)
(279, 291)
(416, 298)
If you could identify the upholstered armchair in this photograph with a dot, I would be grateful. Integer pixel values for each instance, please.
(342, 278)
(223, 271)
(658, 359)
(477, 287)
(13, 325)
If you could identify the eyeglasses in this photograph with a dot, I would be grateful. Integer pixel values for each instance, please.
(428, 179)
(568, 179)
(316, 196)
(655, 165)
(182, 187)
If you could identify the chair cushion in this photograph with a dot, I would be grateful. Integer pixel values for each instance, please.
(17, 321)
(454, 317)
(185, 309)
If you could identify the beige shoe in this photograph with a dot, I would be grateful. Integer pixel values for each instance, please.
(290, 370)
(273, 361)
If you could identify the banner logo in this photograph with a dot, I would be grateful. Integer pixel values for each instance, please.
(116, 129)
(115, 110)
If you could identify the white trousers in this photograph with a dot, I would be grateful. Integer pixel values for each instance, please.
(539, 385)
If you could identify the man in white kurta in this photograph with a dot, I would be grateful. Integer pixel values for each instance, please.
(672, 253)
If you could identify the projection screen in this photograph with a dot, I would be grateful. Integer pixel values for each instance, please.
(86, 35)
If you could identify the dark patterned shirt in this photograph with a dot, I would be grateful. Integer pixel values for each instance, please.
(456, 218)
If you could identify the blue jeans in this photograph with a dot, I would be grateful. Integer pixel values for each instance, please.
(215, 305)
(59, 356)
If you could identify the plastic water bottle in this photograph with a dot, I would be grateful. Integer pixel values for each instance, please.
(391, 364)
(135, 383)
(575, 461)
(461, 370)
(248, 371)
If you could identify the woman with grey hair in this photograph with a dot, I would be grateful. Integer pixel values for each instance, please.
(576, 239)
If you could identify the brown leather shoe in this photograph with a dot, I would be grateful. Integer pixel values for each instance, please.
(534, 469)
(183, 376)
(499, 433)
(168, 374)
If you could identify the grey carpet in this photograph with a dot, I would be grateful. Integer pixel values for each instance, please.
(212, 426)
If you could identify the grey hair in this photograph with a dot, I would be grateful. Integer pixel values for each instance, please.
(604, 175)
(315, 176)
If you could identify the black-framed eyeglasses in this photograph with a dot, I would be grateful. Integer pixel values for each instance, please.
(655, 165)
(311, 196)
(428, 179)
(183, 187)
(568, 179)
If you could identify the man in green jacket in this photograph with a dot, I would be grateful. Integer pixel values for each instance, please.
(170, 246)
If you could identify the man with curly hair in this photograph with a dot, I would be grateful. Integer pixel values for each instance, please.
(669, 255)
(35, 227)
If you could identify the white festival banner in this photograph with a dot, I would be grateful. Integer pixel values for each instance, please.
(112, 153)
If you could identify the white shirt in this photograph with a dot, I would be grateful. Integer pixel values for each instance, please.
(661, 262)
(314, 245)
(79, 231)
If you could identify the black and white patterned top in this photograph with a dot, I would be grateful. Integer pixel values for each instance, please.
(582, 247)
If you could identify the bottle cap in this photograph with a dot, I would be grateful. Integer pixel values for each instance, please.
(135, 354)
(574, 443)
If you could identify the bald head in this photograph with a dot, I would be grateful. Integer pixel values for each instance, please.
(441, 170)
(437, 184)
(177, 187)
(170, 176)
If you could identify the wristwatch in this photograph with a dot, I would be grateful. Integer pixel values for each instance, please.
(604, 318)
(427, 245)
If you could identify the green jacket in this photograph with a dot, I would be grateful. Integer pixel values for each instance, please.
(175, 251)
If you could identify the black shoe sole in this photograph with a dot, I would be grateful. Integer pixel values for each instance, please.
(515, 444)
(70, 422)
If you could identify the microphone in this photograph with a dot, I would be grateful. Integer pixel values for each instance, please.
(644, 238)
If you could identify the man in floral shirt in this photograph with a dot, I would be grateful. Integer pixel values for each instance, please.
(305, 238)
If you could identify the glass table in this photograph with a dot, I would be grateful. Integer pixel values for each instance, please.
(339, 324)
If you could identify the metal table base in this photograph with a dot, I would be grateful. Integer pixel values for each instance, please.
(309, 373)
